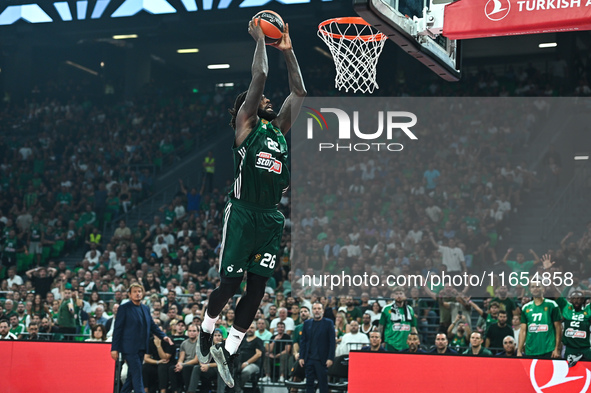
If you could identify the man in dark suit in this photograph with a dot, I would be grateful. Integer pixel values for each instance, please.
(133, 328)
(317, 348)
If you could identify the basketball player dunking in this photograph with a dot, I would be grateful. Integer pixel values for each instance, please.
(252, 225)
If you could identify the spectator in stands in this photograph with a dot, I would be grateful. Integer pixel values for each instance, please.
(251, 352)
(208, 171)
(520, 265)
(352, 340)
(279, 351)
(431, 177)
(16, 327)
(151, 283)
(94, 237)
(366, 327)
(413, 344)
(263, 333)
(272, 313)
(5, 332)
(375, 343)
(38, 307)
(497, 332)
(441, 345)
(199, 266)
(516, 325)
(298, 371)
(194, 315)
(11, 246)
(341, 326)
(352, 312)
(452, 256)
(14, 279)
(98, 334)
(476, 348)
(207, 373)
(41, 279)
(33, 331)
(67, 314)
(287, 321)
(375, 313)
(94, 301)
(509, 347)
(193, 197)
(171, 316)
(21, 313)
(178, 336)
(47, 326)
(505, 302)
(397, 321)
(156, 364)
(459, 339)
(171, 301)
(100, 315)
(110, 325)
(90, 324)
(180, 374)
(488, 318)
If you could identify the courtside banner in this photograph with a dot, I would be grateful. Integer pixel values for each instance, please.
(489, 18)
(380, 372)
(56, 367)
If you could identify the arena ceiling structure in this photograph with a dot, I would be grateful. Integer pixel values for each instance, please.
(47, 39)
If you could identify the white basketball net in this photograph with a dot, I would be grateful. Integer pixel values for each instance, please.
(355, 48)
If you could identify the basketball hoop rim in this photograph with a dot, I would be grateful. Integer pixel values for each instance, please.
(350, 20)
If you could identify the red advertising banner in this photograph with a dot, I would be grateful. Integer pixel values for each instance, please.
(489, 18)
(45, 367)
(384, 372)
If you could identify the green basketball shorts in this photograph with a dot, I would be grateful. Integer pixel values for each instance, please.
(586, 352)
(251, 239)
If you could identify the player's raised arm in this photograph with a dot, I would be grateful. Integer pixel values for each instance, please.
(246, 118)
(297, 91)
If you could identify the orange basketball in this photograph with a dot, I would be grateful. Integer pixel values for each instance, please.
(272, 25)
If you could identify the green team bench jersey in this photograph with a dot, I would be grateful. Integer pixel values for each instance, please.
(397, 323)
(577, 325)
(261, 174)
(540, 337)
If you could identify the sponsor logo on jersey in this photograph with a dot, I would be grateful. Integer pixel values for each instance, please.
(257, 258)
(399, 327)
(573, 333)
(267, 161)
(535, 328)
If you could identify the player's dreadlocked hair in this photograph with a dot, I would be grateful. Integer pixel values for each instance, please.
(234, 111)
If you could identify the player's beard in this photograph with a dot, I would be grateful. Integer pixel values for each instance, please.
(267, 115)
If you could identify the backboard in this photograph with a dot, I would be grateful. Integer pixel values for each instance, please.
(416, 26)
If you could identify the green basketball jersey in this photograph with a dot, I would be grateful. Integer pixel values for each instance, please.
(397, 322)
(260, 166)
(577, 325)
(540, 337)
